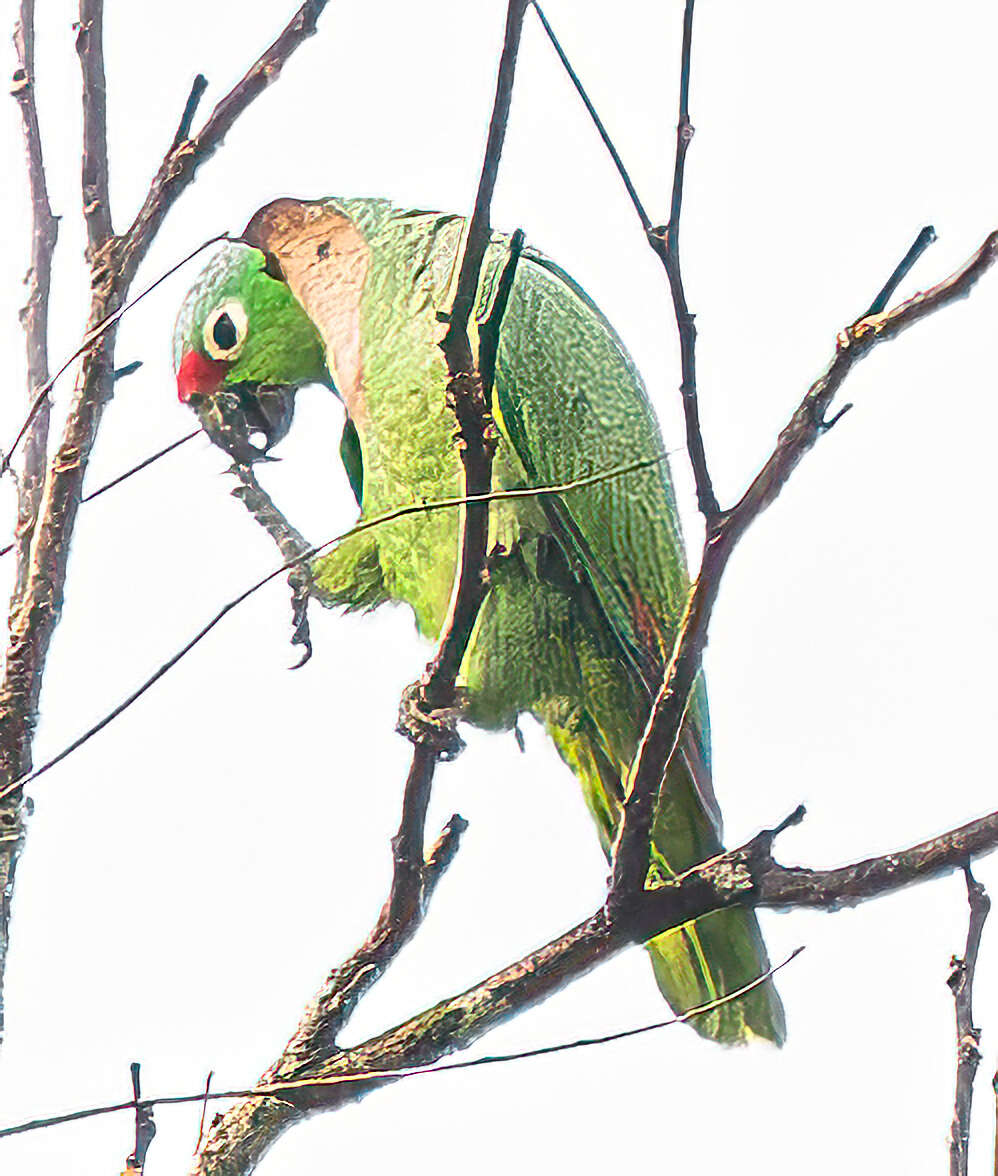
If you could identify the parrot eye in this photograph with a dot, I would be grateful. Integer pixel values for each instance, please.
(225, 331)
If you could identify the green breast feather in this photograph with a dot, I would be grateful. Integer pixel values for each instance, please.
(586, 586)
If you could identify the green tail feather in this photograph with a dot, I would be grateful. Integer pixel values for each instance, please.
(711, 956)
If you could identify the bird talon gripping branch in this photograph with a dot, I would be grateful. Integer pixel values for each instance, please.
(427, 726)
(572, 628)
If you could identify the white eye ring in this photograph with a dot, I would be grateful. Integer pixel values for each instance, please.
(236, 327)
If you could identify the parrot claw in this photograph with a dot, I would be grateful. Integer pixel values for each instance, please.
(432, 727)
(301, 583)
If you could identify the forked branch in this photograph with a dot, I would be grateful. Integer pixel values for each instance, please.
(747, 876)
(34, 319)
(968, 1036)
(114, 261)
(240, 1136)
(809, 422)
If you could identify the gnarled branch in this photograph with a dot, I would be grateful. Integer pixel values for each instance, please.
(113, 261)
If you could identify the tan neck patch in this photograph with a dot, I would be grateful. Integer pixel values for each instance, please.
(323, 258)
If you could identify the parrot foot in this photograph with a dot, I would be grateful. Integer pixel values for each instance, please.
(300, 582)
(432, 727)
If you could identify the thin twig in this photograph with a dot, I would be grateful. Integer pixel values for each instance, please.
(147, 461)
(395, 1075)
(135, 469)
(745, 876)
(367, 525)
(808, 423)
(618, 163)
(198, 87)
(145, 1127)
(183, 160)
(968, 1036)
(204, 1110)
(96, 187)
(435, 693)
(35, 312)
(114, 262)
(664, 240)
(93, 335)
(994, 1087)
(925, 238)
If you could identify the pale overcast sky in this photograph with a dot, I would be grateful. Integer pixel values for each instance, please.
(194, 871)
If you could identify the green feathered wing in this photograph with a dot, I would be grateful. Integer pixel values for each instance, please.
(587, 586)
(611, 575)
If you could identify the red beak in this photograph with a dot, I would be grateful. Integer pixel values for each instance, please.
(199, 375)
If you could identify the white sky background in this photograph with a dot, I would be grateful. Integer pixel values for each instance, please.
(193, 872)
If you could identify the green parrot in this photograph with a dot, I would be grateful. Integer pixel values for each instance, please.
(586, 586)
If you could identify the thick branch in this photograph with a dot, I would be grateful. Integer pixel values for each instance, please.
(96, 194)
(968, 1037)
(247, 1130)
(182, 161)
(746, 876)
(34, 318)
(34, 313)
(113, 265)
(798, 437)
(467, 394)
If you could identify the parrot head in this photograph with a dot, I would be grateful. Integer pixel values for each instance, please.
(242, 347)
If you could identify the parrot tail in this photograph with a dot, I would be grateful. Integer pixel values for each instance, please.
(711, 956)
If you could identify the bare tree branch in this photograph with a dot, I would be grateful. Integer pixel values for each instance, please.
(145, 1126)
(34, 314)
(367, 525)
(468, 396)
(426, 714)
(968, 1037)
(34, 318)
(747, 876)
(96, 193)
(198, 87)
(113, 262)
(798, 437)
(665, 242)
(394, 1075)
(182, 161)
(925, 238)
(608, 143)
